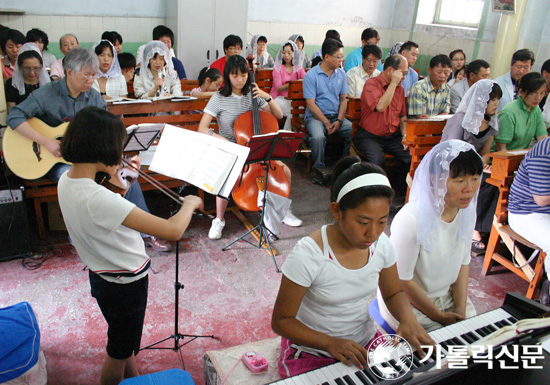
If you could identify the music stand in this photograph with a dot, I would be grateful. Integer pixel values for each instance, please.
(177, 336)
(263, 149)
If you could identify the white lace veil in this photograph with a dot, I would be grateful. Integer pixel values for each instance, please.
(296, 57)
(428, 194)
(252, 49)
(18, 82)
(149, 51)
(295, 37)
(114, 70)
(474, 105)
(394, 50)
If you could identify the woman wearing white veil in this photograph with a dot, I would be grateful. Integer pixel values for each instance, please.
(157, 76)
(288, 67)
(300, 43)
(476, 122)
(258, 50)
(28, 75)
(432, 234)
(109, 80)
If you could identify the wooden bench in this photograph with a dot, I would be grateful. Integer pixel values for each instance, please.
(264, 79)
(422, 136)
(505, 163)
(133, 113)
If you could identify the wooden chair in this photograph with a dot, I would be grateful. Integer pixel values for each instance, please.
(264, 79)
(422, 136)
(130, 86)
(297, 105)
(188, 85)
(505, 163)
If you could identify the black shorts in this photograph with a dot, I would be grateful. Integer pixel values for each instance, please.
(123, 306)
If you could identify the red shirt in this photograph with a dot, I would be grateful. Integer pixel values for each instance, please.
(220, 65)
(383, 123)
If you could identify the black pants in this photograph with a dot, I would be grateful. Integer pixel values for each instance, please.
(486, 204)
(374, 148)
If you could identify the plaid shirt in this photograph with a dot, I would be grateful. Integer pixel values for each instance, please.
(424, 99)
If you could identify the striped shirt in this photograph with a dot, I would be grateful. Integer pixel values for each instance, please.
(533, 178)
(227, 109)
(424, 99)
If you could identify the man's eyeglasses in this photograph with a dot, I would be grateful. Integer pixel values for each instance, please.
(340, 58)
(88, 77)
(30, 70)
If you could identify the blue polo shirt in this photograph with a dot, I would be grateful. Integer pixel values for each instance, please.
(324, 89)
(410, 79)
(531, 179)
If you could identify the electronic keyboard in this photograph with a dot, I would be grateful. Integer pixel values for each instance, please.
(463, 333)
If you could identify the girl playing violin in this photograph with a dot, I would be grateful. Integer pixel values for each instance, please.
(226, 106)
(105, 229)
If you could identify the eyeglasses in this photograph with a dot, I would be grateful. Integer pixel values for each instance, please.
(371, 61)
(340, 58)
(88, 77)
(30, 70)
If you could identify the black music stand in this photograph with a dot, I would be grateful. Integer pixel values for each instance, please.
(265, 148)
(177, 336)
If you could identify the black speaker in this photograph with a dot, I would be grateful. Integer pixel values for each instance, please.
(14, 226)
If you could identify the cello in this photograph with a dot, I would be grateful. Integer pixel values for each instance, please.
(252, 179)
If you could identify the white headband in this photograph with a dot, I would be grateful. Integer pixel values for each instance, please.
(372, 179)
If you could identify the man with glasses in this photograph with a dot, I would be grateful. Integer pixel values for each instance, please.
(325, 91)
(521, 64)
(431, 96)
(58, 102)
(357, 76)
(383, 119)
(232, 45)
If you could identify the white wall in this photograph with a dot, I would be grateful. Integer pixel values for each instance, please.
(535, 30)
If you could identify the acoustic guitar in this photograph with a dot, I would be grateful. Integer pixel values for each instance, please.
(28, 159)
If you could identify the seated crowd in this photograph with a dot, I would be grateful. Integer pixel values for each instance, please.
(508, 113)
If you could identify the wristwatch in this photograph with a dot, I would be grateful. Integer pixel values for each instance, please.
(268, 100)
(340, 120)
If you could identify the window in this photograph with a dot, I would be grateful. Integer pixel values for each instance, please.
(458, 12)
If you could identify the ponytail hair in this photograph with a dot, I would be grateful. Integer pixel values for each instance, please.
(209, 73)
(348, 169)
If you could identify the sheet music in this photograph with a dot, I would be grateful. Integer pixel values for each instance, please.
(212, 164)
(128, 101)
(435, 118)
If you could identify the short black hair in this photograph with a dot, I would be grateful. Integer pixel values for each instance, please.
(332, 34)
(440, 59)
(30, 54)
(523, 55)
(13, 35)
(545, 66)
(162, 30)
(371, 49)
(35, 34)
(126, 60)
(496, 92)
(102, 45)
(531, 82)
(330, 46)
(300, 39)
(112, 36)
(407, 46)
(262, 38)
(232, 41)
(454, 52)
(369, 33)
(475, 66)
(466, 163)
(394, 61)
(348, 169)
(209, 73)
(108, 137)
(234, 65)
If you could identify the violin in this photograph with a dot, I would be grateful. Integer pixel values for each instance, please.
(120, 182)
(252, 179)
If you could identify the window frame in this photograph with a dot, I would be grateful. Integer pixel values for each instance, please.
(439, 21)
